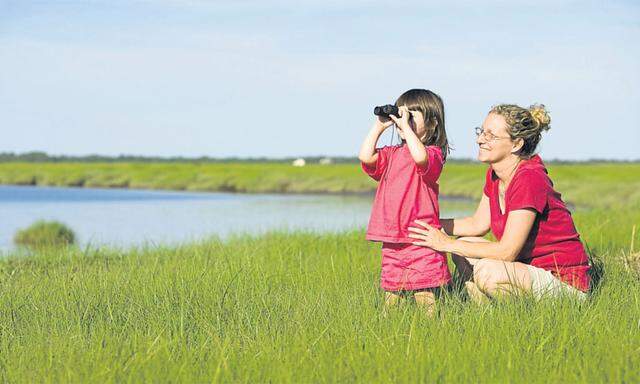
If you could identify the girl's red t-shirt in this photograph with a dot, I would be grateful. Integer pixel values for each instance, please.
(406, 192)
(553, 243)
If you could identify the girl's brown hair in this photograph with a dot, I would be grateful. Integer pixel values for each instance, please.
(432, 108)
(526, 124)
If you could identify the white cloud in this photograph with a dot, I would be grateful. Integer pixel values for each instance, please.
(207, 89)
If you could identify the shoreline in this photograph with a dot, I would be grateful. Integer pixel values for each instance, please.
(578, 184)
(371, 193)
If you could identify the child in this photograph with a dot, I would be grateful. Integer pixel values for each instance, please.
(408, 190)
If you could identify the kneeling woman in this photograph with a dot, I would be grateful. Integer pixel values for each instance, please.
(538, 249)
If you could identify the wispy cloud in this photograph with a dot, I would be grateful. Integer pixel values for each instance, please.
(254, 78)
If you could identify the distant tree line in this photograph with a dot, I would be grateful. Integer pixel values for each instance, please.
(43, 157)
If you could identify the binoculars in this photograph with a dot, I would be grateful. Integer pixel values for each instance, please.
(386, 110)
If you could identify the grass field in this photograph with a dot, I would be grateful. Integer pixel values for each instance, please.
(305, 307)
(580, 183)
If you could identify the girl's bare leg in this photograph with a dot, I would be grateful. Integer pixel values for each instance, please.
(427, 300)
(392, 299)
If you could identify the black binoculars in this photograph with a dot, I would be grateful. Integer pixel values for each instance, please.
(386, 110)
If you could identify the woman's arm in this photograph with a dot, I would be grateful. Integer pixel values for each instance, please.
(476, 225)
(368, 153)
(515, 235)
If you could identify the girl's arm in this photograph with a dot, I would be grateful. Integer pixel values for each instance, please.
(515, 235)
(416, 147)
(368, 153)
(477, 225)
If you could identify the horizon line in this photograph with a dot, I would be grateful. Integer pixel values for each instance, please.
(37, 156)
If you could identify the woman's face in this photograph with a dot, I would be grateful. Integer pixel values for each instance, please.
(494, 143)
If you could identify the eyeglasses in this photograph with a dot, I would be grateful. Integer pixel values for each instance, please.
(488, 136)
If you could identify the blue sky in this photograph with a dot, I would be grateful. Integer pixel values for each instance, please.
(287, 78)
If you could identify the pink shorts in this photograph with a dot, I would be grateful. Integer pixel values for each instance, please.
(410, 267)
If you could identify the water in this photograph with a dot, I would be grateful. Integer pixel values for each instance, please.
(121, 217)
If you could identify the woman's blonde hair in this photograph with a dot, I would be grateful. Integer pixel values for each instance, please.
(432, 108)
(526, 124)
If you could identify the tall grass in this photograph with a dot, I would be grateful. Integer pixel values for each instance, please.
(44, 234)
(305, 307)
(582, 184)
(299, 307)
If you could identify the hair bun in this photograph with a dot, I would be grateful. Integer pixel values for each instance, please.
(541, 116)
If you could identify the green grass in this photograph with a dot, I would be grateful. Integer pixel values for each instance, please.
(581, 184)
(44, 234)
(300, 307)
(306, 307)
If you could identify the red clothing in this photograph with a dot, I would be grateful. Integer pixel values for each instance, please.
(408, 267)
(405, 193)
(553, 243)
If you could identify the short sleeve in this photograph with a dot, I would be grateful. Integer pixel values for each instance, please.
(435, 163)
(529, 190)
(376, 170)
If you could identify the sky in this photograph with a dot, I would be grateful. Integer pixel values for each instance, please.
(251, 78)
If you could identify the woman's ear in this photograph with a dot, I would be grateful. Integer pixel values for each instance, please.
(517, 145)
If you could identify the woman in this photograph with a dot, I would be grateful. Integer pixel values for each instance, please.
(538, 249)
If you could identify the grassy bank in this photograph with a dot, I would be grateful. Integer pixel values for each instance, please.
(597, 185)
(301, 307)
(305, 307)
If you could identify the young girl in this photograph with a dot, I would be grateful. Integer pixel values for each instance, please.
(408, 190)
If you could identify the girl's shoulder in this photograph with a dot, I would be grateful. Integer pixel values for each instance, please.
(391, 147)
(435, 152)
(389, 150)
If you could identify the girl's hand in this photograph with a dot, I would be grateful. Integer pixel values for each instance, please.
(402, 122)
(382, 123)
(430, 237)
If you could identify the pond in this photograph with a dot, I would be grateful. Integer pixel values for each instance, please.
(124, 217)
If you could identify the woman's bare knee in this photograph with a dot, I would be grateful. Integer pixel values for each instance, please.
(485, 275)
(496, 277)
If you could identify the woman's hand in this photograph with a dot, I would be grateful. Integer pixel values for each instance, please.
(430, 237)
(402, 122)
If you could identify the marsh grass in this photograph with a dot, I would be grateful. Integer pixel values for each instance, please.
(45, 234)
(306, 307)
(295, 307)
(582, 184)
